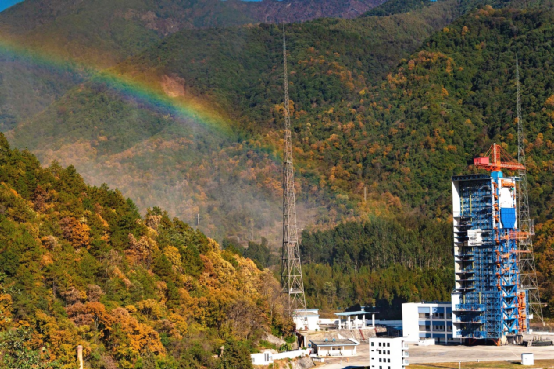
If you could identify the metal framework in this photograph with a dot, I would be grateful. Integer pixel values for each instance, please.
(291, 267)
(526, 259)
(487, 300)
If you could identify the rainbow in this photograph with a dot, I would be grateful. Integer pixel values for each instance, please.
(151, 94)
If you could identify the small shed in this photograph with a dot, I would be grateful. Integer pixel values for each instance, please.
(264, 358)
(306, 319)
(334, 347)
(527, 359)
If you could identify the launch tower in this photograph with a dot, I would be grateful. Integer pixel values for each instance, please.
(488, 301)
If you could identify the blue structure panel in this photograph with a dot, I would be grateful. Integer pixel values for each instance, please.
(490, 306)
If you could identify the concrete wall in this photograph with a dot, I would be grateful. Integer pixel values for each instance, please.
(291, 354)
(332, 351)
(266, 358)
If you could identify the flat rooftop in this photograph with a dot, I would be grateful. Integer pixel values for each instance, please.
(351, 313)
(305, 313)
(323, 343)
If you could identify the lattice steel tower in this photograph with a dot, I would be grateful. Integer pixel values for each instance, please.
(291, 267)
(526, 256)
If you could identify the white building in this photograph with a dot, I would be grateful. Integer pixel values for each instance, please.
(388, 353)
(352, 321)
(264, 358)
(306, 319)
(334, 347)
(422, 320)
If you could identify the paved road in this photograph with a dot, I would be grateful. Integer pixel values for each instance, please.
(442, 354)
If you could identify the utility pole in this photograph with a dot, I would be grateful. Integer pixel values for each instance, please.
(291, 267)
(528, 273)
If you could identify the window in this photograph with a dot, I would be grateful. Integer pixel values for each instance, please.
(388, 352)
(379, 359)
(388, 344)
(266, 357)
(424, 315)
(379, 344)
(372, 344)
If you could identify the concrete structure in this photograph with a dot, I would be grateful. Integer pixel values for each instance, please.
(527, 359)
(264, 358)
(352, 321)
(426, 342)
(487, 302)
(422, 320)
(306, 319)
(267, 357)
(388, 353)
(334, 347)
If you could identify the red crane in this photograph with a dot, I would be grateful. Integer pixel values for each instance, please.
(497, 159)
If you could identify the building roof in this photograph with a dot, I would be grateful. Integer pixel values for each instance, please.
(350, 313)
(387, 338)
(336, 342)
(305, 313)
(429, 303)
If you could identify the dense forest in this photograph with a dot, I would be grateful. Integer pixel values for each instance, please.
(382, 263)
(79, 265)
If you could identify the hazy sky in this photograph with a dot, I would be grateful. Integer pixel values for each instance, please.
(4, 4)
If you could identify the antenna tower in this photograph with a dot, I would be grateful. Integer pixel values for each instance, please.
(528, 274)
(291, 268)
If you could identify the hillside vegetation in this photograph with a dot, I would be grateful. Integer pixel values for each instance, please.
(232, 180)
(441, 107)
(78, 36)
(395, 104)
(79, 265)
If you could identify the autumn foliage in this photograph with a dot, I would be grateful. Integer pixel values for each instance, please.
(80, 266)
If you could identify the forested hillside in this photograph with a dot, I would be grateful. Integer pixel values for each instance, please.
(80, 266)
(379, 263)
(395, 104)
(231, 179)
(441, 107)
(81, 36)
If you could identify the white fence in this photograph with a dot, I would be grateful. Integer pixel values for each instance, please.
(291, 354)
(267, 358)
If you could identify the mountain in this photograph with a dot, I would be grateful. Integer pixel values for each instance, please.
(80, 266)
(228, 171)
(84, 35)
(392, 104)
(436, 111)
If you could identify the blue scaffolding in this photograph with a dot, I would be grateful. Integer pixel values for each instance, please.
(490, 303)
